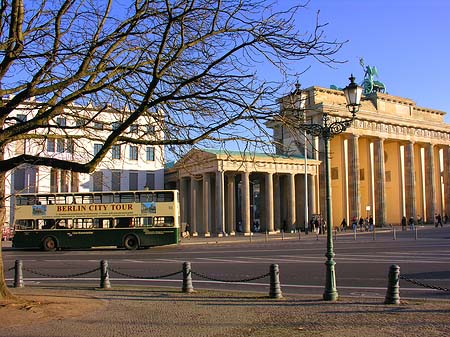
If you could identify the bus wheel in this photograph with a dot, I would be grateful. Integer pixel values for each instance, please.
(131, 242)
(49, 244)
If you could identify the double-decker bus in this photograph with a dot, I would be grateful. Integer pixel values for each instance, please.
(125, 219)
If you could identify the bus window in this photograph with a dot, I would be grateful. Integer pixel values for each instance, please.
(49, 224)
(147, 222)
(124, 223)
(107, 198)
(161, 221)
(164, 196)
(127, 197)
(146, 196)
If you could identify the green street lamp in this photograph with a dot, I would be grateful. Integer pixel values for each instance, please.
(327, 130)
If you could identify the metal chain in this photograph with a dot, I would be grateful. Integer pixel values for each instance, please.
(144, 277)
(423, 284)
(12, 268)
(61, 276)
(231, 281)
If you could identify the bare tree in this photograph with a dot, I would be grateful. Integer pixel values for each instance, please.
(191, 61)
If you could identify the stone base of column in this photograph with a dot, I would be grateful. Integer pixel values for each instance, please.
(195, 234)
(232, 234)
(220, 235)
(248, 234)
(207, 235)
(273, 232)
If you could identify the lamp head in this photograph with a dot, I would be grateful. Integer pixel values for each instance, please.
(353, 94)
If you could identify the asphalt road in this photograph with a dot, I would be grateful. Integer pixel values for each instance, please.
(362, 265)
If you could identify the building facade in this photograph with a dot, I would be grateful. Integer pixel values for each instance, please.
(393, 161)
(224, 192)
(82, 132)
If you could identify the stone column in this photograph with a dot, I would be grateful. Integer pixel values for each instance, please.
(269, 202)
(245, 203)
(194, 205)
(220, 203)
(446, 174)
(230, 207)
(291, 221)
(430, 183)
(206, 204)
(380, 191)
(410, 183)
(354, 179)
(277, 202)
(183, 200)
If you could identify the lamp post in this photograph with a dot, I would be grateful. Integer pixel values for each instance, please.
(327, 130)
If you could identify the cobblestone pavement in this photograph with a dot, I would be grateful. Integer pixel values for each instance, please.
(59, 312)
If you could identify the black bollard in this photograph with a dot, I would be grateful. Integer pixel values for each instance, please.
(18, 275)
(187, 278)
(275, 290)
(104, 275)
(393, 290)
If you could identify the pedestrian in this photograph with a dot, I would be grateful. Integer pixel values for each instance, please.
(411, 223)
(344, 225)
(187, 231)
(354, 223)
(404, 223)
(419, 220)
(361, 224)
(371, 224)
(438, 220)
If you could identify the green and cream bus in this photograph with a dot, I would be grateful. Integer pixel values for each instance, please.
(124, 219)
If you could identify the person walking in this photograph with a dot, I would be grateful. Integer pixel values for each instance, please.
(404, 223)
(411, 223)
(344, 225)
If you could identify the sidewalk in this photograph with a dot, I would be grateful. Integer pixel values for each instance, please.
(144, 312)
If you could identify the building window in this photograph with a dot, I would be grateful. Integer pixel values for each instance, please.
(150, 153)
(133, 181)
(21, 118)
(97, 148)
(51, 145)
(98, 125)
(133, 152)
(19, 180)
(115, 180)
(61, 121)
(361, 174)
(134, 128)
(115, 125)
(150, 181)
(70, 145)
(60, 145)
(115, 152)
(150, 129)
(97, 178)
(80, 122)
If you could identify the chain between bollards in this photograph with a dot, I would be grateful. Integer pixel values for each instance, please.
(18, 275)
(394, 234)
(187, 278)
(104, 275)
(275, 289)
(393, 290)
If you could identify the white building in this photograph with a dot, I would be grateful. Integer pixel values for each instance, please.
(126, 166)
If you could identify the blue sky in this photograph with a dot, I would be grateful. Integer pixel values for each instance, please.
(408, 42)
